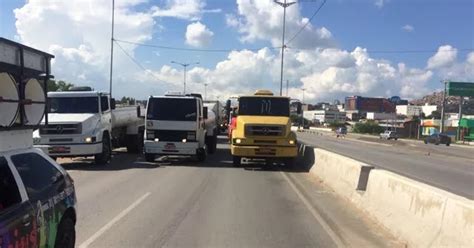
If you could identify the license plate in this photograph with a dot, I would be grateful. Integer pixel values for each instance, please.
(59, 149)
(266, 150)
(170, 146)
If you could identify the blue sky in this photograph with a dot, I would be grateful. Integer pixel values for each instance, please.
(375, 25)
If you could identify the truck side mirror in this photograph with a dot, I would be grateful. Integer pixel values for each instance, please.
(112, 103)
(204, 109)
(299, 108)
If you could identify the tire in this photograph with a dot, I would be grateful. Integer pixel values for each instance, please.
(201, 155)
(396, 138)
(135, 143)
(437, 143)
(448, 144)
(212, 144)
(149, 157)
(104, 157)
(236, 161)
(426, 142)
(66, 235)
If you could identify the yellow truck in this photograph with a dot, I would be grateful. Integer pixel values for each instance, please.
(263, 129)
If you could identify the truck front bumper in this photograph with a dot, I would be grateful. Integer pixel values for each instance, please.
(264, 151)
(171, 148)
(71, 150)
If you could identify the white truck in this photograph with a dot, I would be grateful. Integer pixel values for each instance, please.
(81, 123)
(179, 125)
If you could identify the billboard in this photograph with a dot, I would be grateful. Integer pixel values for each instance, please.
(460, 89)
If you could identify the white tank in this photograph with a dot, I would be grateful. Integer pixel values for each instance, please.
(124, 116)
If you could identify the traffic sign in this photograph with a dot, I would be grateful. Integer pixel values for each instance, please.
(460, 89)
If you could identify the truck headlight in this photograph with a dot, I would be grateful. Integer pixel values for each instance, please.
(238, 141)
(292, 142)
(89, 139)
(184, 140)
(157, 140)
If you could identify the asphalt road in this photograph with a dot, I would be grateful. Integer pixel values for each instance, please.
(182, 203)
(449, 168)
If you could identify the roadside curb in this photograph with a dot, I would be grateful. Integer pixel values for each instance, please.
(420, 214)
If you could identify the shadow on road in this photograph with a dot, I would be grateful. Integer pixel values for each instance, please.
(121, 160)
(220, 159)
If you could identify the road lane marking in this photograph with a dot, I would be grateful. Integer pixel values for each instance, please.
(316, 215)
(122, 214)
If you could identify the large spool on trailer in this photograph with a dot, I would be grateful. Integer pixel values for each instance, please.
(24, 72)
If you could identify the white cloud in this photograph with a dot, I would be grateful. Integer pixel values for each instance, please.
(262, 20)
(78, 34)
(408, 28)
(445, 57)
(381, 3)
(198, 35)
(183, 9)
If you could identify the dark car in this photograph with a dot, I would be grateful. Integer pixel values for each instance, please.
(438, 138)
(37, 201)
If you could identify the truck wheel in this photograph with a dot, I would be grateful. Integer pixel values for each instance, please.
(149, 157)
(66, 235)
(212, 144)
(236, 161)
(135, 143)
(104, 157)
(447, 144)
(201, 155)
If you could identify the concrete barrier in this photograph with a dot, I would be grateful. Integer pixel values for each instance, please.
(417, 213)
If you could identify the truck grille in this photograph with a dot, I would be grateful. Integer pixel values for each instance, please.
(59, 129)
(262, 130)
(171, 135)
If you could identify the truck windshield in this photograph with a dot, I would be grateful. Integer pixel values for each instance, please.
(270, 106)
(172, 109)
(73, 105)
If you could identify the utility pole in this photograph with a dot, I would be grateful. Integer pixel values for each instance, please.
(287, 83)
(205, 90)
(184, 65)
(112, 49)
(283, 46)
(441, 125)
(302, 108)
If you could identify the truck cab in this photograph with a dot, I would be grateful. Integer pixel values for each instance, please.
(175, 125)
(85, 123)
(263, 129)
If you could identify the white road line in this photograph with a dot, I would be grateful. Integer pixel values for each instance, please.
(315, 214)
(122, 214)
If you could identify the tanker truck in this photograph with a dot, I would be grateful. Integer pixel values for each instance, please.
(179, 125)
(83, 123)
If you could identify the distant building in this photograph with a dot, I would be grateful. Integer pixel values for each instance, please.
(369, 104)
(398, 101)
(428, 109)
(409, 110)
(381, 116)
(325, 116)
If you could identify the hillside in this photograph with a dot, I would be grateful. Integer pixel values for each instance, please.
(452, 103)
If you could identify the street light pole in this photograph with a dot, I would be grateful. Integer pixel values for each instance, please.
(205, 91)
(283, 46)
(302, 108)
(112, 49)
(185, 66)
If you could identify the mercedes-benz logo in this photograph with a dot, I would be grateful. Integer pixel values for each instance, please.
(265, 130)
(59, 129)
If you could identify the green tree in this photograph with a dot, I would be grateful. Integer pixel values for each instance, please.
(434, 115)
(369, 127)
(59, 85)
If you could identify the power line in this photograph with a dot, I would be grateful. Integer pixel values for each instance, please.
(138, 63)
(399, 51)
(191, 49)
(308, 22)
